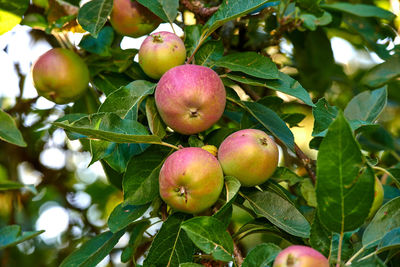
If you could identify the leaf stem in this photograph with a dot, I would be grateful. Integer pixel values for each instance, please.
(339, 250)
(361, 250)
(383, 170)
(395, 155)
(203, 37)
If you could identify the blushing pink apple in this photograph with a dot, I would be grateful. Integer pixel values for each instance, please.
(60, 75)
(190, 98)
(250, 155)
(130, 18)
(300, 256)
(191, 180)
(160, 52)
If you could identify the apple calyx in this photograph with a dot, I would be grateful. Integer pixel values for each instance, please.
(264, 141)
(182, 192)
(157, 38)
(194, 113)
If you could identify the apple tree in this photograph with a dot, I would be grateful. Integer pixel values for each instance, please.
(262, 133)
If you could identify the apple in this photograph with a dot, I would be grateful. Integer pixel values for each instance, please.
(300, 256)
(130, 18)
(190, 98)
(60, 75)
(160, 52)
(250, 155)
(378, 198)
(191, 180)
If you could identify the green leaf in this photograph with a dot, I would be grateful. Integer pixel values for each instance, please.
(382, 73)
(171, 246)
(373, 261)
(11, 13)
(232, 186)
(116, 155)
(209, 53)
(126, 98)
(140, 182)
(250, 63)
(360, 10)
(210, 235)
(390, 241)
(124, 214)
(308, 192)
(229, 10)
(367, 105)
(156, 124)
(11, 235)
(311, 22)
(9, 131)
(136, 237)
(261, 225)
(287, 175)
(261, 255)
(385, 220)
(93, 251)
(156, 7)
(320, 237)
(10, 185)
(94, 14)
(110, 82)
(108, 127)
(284, 84)
(345, 190)
(324, 114)
(280, 212)
(271, 121)
(170, 8)
(192, 37)
(99, 45)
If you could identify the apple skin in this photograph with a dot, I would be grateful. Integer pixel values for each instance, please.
(250, 155)
(60, 75)
(190, 98)
(130, 18)
(300, 256)
(378, 198)
(165, 49)
(191, 180)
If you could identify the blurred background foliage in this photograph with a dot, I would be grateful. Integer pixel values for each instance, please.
(333, 52)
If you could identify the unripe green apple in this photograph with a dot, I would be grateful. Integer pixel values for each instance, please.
(250, 155)
(190, 98)
(378, 198)
(300, 256)
(130, 18)
(191, 180)
(60, 75)
(160, 52)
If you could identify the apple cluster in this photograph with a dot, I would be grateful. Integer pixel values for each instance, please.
(190, 99)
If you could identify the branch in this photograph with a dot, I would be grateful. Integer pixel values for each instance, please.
(307, 162)
(237, 253)
(198, 8)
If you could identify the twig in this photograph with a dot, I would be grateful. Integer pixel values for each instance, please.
(237, 253)
(198, 8)
(307, 162)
